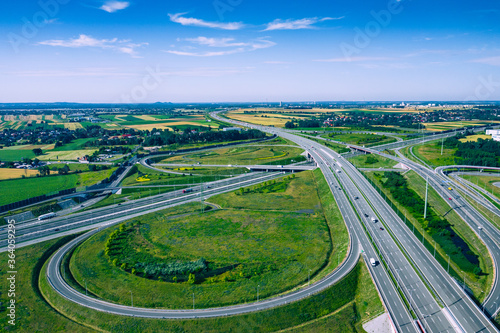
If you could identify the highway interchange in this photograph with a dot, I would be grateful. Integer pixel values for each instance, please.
(417, 292)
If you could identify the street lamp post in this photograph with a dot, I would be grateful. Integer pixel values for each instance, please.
(131, 298)
(448, 263)
(258, 292)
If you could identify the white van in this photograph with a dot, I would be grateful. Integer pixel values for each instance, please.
(373, 262)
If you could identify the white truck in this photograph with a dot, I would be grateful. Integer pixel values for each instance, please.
(374, 220)
(373, 262)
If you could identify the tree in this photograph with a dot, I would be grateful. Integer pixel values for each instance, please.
(37, 151)
(192, 278)
(64, 170)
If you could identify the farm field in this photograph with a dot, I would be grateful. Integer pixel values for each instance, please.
(474, 138)
(20, 189)
(76, 144)
(275, 120)
(148, 122)
(16, 173)
(65, 155)
(16, 153)
(443, 126)
(245, 246)
(246, 155)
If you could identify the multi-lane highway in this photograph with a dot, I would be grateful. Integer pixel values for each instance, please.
(32, 231)
(456, 305)
(487, 232)
(405, 270)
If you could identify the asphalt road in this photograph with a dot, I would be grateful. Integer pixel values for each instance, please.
(474, 220)
(34, 229)
(459, 308)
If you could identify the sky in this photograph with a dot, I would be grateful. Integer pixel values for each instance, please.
(145, 51)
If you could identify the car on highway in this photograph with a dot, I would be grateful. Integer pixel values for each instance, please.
(381, 228)
(449, 198)
(373, 262)
(356, 198)
(56, 229)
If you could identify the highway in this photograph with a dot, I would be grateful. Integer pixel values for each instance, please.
(400, 315)
(438, 302)
(465, 315)
(489, 234)
(34, 229)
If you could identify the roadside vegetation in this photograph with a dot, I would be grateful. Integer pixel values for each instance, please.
(443, 229)
(490, 183)
(359, 139)
(245, 155)
(372, 161)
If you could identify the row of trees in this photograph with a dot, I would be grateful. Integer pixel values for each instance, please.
(165, 137)
(304, 123)
(439, 228)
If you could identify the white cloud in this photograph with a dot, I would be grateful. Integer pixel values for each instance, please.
(190, 21)
(354, 59)
(238, 47)
(214, 42)
(305, 23)
(493, 61)
(204, 54)
(122, 46)
(113, 6)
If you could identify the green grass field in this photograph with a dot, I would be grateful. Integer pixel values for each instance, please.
(74, 145)
(430, 153)
(367, 140)
(246, 155)
(12, 155)
(485, 182)
(477, 283)
(288, 243)
(365, 161)
(340, 308)
(20, 189)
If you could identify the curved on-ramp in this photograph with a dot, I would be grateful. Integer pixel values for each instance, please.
(57, 282)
